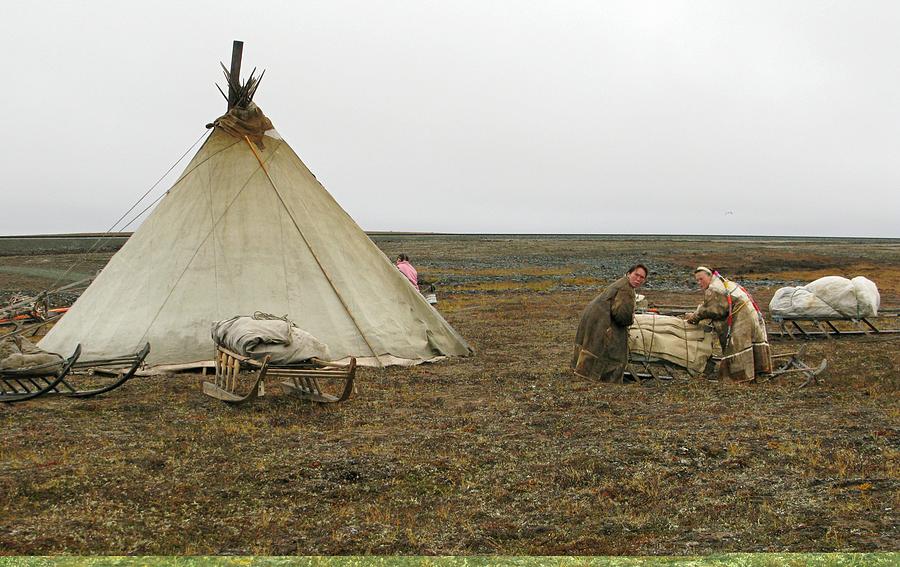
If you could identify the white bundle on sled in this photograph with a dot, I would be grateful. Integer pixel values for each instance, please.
(831, 297)
(277, 337)
(670, 338)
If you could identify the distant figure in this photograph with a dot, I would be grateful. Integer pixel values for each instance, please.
(738, 323)
(407, 270)
(601, 342)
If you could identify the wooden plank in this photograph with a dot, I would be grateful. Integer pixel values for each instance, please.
(235, 374)
(823, 330)
(786, 330)
(308, 374)
(237, 51)
(870, 325)
(799, 328)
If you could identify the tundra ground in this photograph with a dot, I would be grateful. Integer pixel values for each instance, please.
(501, 453)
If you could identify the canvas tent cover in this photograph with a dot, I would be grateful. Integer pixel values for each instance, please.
(831, 297)
(672, 339)
(248, 227)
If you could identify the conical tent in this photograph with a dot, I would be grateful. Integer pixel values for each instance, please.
(248, 228)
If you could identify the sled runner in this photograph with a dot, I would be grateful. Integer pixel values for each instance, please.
(316, 380)
(808, 328)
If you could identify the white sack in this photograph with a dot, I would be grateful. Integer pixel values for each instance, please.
(672, 339)
(831, 297)
(256, 338)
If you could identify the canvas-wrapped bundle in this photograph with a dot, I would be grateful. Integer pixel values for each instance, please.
(249, 121)
(672, 339)
(831, 297)
(256, 337)
(23, 356)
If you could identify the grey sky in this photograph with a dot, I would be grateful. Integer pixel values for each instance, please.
(621, 117)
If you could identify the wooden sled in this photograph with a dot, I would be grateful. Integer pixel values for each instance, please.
(316, 380)
(794, 364)
(78, 378)
(801, 328)
(29, 383)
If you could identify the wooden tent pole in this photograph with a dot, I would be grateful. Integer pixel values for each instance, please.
(237, 51)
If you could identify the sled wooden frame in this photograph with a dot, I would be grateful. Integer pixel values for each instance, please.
(810, 328)
(27, 384)
(21, 385)
(643, 369)
(301, 380)
(794, 364)
(647, 371)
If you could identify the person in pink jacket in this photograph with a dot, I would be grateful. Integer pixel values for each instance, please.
(407, 270)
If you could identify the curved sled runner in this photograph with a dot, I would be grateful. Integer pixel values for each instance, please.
(76, 379)
(317, 381)
(92, 377)
(228, 371)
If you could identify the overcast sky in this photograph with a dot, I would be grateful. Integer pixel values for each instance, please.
(518, 116)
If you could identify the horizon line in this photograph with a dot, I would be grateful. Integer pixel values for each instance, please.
(519, 234)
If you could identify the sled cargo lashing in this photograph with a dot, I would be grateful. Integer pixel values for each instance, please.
(316, 380)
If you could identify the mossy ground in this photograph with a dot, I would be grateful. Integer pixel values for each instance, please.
(502, 453)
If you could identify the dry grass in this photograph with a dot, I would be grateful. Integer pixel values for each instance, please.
(504, 452)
